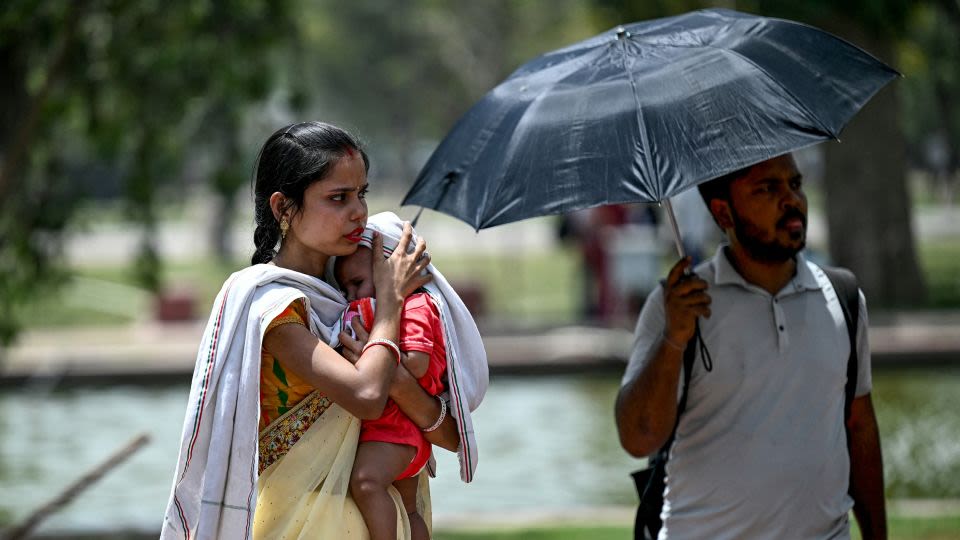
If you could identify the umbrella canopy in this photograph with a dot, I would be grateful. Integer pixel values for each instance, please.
(644, 111)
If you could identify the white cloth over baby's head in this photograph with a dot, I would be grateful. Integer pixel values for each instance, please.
(467, 371)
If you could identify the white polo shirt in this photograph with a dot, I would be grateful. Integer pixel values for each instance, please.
(760, 451)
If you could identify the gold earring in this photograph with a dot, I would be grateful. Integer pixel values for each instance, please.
(284, 226)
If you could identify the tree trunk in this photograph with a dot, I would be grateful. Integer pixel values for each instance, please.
(224, 125)
(947, 101)
(224, 207)
(868, 206)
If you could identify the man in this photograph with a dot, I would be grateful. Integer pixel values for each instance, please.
(760, 450)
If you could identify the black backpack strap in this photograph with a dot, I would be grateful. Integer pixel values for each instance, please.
(689, 355)
(848, 293)
(653, 478)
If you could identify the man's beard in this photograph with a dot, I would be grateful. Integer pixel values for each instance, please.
(768, 251)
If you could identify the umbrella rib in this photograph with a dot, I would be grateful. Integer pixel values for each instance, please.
(786, 90)
(482, 217)
(644, 140)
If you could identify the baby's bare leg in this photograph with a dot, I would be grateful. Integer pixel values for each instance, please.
(375, 467)
(408, 492)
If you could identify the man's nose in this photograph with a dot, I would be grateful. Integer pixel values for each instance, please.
(793, 198)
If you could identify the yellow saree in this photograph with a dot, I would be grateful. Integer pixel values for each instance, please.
(304, 492)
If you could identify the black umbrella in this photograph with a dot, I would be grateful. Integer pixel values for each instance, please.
(644, 111)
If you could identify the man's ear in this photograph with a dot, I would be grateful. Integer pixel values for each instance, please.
(278, 205)
(721, 212)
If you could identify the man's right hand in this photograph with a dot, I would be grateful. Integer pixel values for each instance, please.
(646, 408)
(685, 298)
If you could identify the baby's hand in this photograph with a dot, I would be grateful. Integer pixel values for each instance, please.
(353, 346)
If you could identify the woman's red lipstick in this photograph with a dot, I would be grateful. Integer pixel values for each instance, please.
(355, 235)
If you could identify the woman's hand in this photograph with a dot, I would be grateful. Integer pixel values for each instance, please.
(424, 410)
(413, 400)
(401, 273)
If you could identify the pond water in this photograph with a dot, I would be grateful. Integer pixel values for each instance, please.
(546, 443)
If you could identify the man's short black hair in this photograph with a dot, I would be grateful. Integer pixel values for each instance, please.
(719, 188)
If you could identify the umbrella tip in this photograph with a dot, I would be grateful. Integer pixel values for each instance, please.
(416, 218)
(622, 32)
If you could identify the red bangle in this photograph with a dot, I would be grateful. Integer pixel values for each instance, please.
(386, 343)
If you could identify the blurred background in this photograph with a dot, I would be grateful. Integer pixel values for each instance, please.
(128, 132)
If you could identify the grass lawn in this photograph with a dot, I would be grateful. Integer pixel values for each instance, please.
(900, 528)
(940, 261)
(543, 287)
(544, 533)
(911, 528)
(540, 287)
(108, 295)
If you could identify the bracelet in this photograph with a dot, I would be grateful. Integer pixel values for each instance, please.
(386, 343)
(443, 414)
(670, 342)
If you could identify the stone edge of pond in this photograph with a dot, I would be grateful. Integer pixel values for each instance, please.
(153, 353)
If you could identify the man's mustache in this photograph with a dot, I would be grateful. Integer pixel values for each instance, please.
(792, 213)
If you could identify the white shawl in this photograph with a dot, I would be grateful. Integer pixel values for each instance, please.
(467, 371)
(214, 489)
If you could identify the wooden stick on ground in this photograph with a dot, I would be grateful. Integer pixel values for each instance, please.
(24, 529)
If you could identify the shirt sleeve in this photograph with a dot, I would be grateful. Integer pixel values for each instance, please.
(295, 313)
(646, 336)
(864, 375)
(416, 327)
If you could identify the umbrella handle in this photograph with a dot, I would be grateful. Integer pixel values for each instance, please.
(698, 337)
(673, 224)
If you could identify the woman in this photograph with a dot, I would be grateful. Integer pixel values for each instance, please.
(267, 361)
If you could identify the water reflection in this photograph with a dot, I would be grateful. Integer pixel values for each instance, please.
(919, 416)
(545, 443)
(49, 440)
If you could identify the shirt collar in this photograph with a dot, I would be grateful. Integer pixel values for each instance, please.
(726, 274)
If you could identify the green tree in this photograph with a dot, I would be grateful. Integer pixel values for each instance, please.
(138, 86)
(930, 61)
(404, 71)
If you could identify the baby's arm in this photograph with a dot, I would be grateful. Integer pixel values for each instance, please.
(417, 334)
(416, 362)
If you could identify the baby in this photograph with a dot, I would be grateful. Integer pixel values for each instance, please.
(392, 448)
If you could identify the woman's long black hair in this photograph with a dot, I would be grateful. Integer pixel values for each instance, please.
(292, 159)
